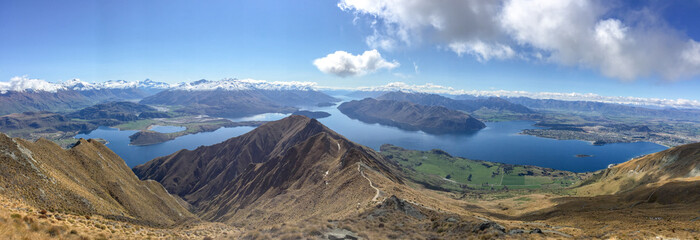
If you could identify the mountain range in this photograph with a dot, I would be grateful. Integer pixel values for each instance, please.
(607, 109)
(471, 105)
(235, 98)
(227, 97)
(71, 95)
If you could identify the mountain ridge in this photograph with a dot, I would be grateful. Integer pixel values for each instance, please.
(228, 160)
(280, 161)
(470, 105)
(88, 178)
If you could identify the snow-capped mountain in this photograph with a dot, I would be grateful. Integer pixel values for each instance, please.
(121, 84)
(24, 84)
(22, 94)
(226, 97)
(237, 98)
(232, 84)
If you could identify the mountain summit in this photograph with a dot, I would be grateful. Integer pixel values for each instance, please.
(294, 163)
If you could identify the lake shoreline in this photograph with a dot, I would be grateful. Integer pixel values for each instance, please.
(499, 142)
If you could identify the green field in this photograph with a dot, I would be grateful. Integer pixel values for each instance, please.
(437, 169)
(137, 125)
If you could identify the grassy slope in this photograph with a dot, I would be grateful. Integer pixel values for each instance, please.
(21, 221)
(433, 168)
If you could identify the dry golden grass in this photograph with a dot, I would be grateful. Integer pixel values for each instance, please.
(20, 221)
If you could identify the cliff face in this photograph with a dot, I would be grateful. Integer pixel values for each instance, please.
(85, 179)
(410, 116)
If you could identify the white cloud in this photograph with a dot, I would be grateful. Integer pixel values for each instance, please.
(377, 40)
(406, 20)
(692, 53)
(344, 64)
(585, 33)
(483, 51)
(575, 33)
(23, 83)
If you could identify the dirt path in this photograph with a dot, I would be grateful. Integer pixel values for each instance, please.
(379, 192)
(502, 175)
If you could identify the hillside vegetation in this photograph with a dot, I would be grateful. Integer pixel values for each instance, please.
(411, 116)
(437, 169)
(85, 179)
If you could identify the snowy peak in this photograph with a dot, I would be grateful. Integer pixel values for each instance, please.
(78, 85)
(232, 84)
(148, 83)
(121, 84)
(24, 84)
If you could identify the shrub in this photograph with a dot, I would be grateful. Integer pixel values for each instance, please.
(54, 231)
(315, 233)
(34, 227)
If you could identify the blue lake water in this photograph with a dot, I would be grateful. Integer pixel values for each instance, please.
(498, 142)
(118, 141)
(167, 129)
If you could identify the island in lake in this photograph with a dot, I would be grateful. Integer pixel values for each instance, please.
(410, 116)
(192, 125)
(312, 114)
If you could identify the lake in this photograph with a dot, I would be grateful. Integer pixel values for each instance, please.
(498, 142)
(118, 141)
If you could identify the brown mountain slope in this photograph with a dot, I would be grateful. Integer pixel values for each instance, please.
(86, 179)
(654, 196)
(265, 164)
(204, 172)
(680, 163)
(326, 175)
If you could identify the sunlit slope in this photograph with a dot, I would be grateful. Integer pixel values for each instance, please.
(85, 179)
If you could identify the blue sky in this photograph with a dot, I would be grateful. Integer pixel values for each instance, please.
(174, 41)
